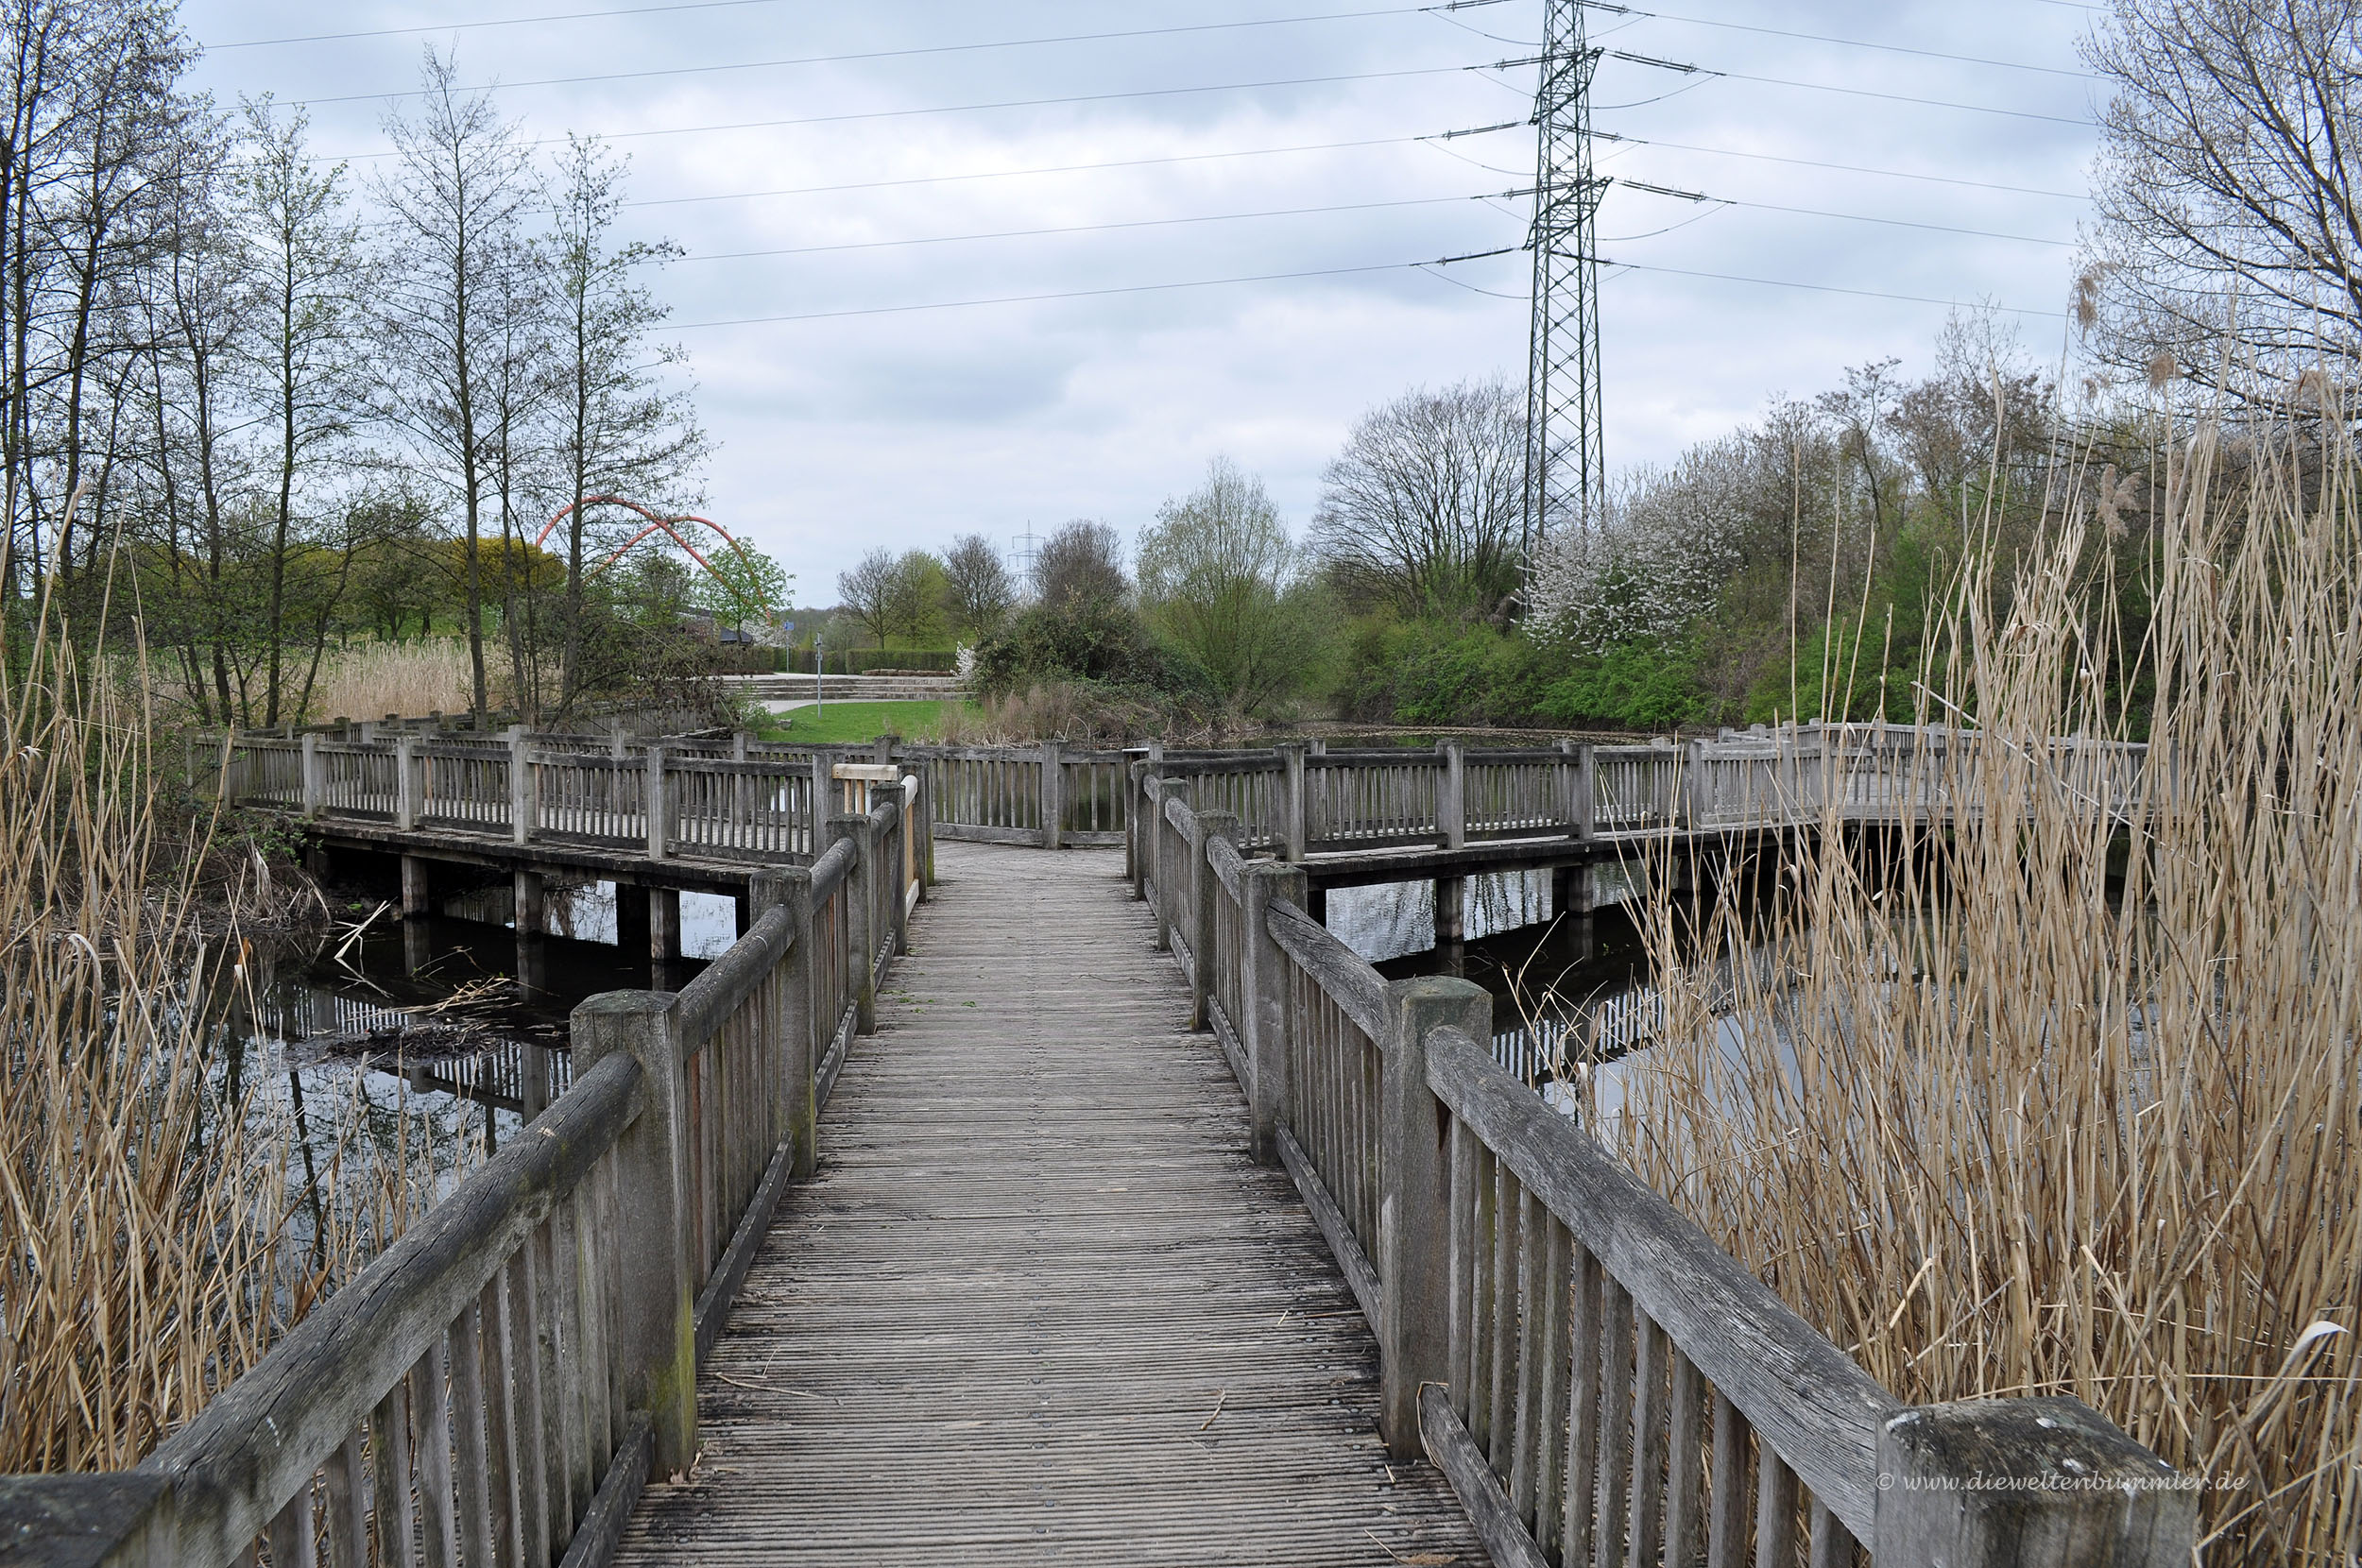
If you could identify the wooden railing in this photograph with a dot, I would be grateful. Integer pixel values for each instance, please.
(1294, 801)
(1601, 1382)
(498, 1383)
(1046, 794)
(699, 799)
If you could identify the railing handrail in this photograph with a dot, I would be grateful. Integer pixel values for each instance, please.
(263, 1435)
(1815, 1404)
(1473, 1325)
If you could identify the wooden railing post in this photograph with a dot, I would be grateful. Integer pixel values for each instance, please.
(656, 1331)
(1697, 801)
(521, 805)
(893, 866)
(1052, 796)
(1263, 993)
(1414, 1245)
(1294, 808)
(1451, 796)
(1162, 861)
(861, 906)
(1210, 825)
(797, 1059)
(824, 803)
(314, 783)
(1134, 779)
(405, 783)
(1587, 793)
(652, 792)
(2030, 1483)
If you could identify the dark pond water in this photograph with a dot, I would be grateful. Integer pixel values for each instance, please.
(1562, 985)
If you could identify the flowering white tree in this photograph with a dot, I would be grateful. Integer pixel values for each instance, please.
(1656, 562)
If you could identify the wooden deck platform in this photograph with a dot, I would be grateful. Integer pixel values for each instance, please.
(1037, 1305)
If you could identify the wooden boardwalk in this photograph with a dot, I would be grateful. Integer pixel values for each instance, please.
(1037, 1305)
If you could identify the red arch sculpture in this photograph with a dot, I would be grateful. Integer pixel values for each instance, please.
(656, 524)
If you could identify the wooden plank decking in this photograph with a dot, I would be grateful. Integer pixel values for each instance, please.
(1037, 1305)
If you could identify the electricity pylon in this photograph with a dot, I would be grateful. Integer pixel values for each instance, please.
(1566, 461)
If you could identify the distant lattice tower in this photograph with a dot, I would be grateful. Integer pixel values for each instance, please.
(1025, 553)
(1566, 460)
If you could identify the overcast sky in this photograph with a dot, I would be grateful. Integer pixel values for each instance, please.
(849, 412)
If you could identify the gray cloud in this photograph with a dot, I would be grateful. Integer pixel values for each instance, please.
(905, 428)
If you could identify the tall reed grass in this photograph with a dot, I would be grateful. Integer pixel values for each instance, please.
(2000, 1128)
(153, 1239)
(372, 679)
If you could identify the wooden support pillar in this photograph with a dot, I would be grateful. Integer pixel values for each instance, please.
(531, 915)
(416, 893)
(1451, 913)
(1263, 985)
(655, 1328)
(417, 947)
(318, 863)
(1570, 891)
(533, 1080)
(1413, 1247)
(533, 966)
(1316, 902)
(631, 920)
(664, 924)
(743, 908)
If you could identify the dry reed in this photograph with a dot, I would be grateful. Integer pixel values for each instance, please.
(372, 679)
(1999, 1132)
(152, 1242)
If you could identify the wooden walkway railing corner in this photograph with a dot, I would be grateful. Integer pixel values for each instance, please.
(498, 1385)
(1600, 1381)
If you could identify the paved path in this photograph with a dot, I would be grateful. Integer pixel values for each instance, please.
(1037, 1305)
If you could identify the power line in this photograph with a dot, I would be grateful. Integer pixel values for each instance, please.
(1817, 288)
(963, 109)
(1909, 98)
(1847, 217)
(876, 54)
(1706, 71)
(1758, 157)
(1094, 293)
(1099, 228)
(1846, 168)
(1844, 42)
(1012, 174)
(498, 22)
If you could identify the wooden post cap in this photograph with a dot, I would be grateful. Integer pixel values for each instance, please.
(2030, 1482)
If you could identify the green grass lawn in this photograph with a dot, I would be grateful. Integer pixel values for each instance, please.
(843, 722)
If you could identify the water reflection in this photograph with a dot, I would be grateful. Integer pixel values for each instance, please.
(390, 1058)
(1568, 985)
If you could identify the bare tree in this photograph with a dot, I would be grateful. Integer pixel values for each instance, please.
(1420, 511)
(618, 431)
(2229, 239)
(455, 198)
(868, 592)
(980, 589)
(300, 255)
(1082, 564)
